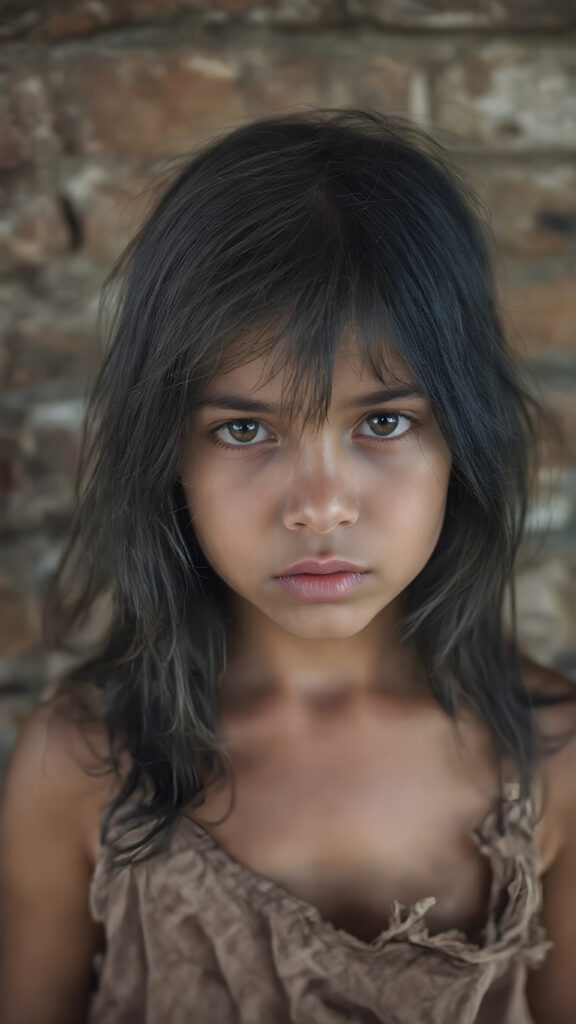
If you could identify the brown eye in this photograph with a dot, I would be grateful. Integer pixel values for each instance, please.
(242, 430)
(385, 424)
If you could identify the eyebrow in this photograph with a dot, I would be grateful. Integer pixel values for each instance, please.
(237, 401)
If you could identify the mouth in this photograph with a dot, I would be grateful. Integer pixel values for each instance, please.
(322, 586)
(320, 567)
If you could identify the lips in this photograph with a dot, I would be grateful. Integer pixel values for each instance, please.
(318, 580)
(320, 567)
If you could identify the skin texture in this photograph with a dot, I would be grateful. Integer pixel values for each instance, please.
(324, 713)
(351, 789)
(371, 491)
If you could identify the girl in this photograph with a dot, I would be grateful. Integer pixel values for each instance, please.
(296, 773)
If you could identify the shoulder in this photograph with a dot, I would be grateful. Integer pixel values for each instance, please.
(553, 699)
(551, 990)
(51, 799)
(59, 773)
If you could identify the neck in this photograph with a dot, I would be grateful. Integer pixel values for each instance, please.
(265, 661)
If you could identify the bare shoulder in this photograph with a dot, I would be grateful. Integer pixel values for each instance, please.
(554, 701)
(553, 697)
(60, 768)
(551, 990)
(53, 793)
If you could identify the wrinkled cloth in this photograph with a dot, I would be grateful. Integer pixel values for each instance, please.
(194, 937)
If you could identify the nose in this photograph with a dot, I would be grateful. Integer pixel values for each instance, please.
(320, 491)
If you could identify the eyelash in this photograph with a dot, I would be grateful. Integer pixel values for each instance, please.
(239, 447)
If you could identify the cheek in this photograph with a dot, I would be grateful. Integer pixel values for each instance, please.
(224, 525)
(412, 512)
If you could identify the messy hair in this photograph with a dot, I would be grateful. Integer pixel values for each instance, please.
(282, 237)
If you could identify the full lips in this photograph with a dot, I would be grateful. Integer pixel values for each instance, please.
(322, 586)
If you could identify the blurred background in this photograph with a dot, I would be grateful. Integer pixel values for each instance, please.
(96, 95)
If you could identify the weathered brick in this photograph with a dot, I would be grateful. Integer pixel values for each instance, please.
(45, 461)
(143, 103)
(32, 227)
(507, 94)
(541, 314)
(27, 133)
(19, 627)
(27, 562)
(57, 19)
(463, 14)
(12, 476)
(557, 446)
(108, 204)
(15, 148)
(564, 404)
(50, 335)
(285, 77)
(44, 346)
(546, 606)
(532, 208)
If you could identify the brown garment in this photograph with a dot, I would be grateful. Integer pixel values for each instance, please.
(193, 937)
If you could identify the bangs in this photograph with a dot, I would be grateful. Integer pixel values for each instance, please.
(289, 238)
(299, 282)
(302, 347)
(302, 236)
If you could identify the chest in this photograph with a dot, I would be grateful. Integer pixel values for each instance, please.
(352, 828)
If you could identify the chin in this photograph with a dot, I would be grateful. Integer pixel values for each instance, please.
(312, 622)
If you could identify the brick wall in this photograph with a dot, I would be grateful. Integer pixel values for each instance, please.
(92, 99)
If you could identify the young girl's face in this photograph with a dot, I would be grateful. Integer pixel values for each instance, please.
(368, 486)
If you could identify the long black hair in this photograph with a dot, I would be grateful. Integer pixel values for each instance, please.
(282, 235)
